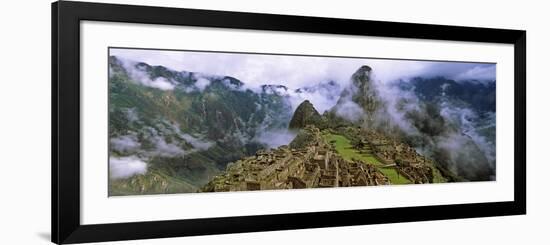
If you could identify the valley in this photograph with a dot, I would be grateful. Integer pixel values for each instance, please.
(186, 132)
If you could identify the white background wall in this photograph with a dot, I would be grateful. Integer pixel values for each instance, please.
(25, 121)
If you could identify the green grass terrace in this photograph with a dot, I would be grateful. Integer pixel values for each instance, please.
(345, 149)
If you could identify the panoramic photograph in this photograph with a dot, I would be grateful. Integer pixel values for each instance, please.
(204, 121)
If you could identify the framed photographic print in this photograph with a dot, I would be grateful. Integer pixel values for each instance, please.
(176, 122)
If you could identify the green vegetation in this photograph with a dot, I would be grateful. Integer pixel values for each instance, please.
(438, 177)
(394, 176)
(344, 148)
(154, 182)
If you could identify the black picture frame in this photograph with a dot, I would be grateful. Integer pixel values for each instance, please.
(66, 18)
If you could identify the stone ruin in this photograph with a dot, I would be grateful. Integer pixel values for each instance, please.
(405, 159)
(316, 165)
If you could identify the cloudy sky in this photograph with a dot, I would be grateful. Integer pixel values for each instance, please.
(301, 71)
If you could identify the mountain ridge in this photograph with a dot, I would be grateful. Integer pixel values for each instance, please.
(192, 125)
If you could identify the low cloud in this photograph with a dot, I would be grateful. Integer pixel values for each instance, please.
(456, 142)
(275, 137)
(139, 75)
(131, 114)
(167, 149)
(160, 83)
(398, 102)
(162, 147)
(196, 142)
(350, 110)
(272, 133)
(323, 95)
(233, 86)
(125, 167)
(468, 122)
(125, 143)
(388, 71)
(202, 83)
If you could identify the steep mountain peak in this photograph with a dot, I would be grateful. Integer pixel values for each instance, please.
(304, 115)
(306, 103)
(361, 93)
(362, 76)
(362, 79)
(364, 69)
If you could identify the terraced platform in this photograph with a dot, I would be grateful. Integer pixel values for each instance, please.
(344, 147)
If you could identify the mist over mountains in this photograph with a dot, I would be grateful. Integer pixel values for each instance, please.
(451, 121)
(165, 123)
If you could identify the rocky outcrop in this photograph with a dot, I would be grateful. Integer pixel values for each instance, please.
(361, 91)
(305, 115)
(359, 102)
